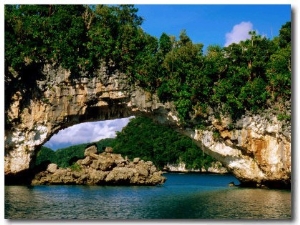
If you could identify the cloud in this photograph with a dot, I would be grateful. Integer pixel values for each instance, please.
(86, 132)
(239, 33)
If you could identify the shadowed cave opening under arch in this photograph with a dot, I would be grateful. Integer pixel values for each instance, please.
(81, 133)
(100, 127)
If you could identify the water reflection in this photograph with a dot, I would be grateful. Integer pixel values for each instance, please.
(181, 197)
(239, 203)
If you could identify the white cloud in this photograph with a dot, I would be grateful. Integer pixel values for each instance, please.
(86, 132)
(239, 33)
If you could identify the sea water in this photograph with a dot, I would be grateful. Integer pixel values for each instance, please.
(182, 196)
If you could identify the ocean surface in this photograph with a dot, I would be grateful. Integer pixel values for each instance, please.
(182, 196)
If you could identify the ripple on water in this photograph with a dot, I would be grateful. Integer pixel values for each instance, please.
(188, 196)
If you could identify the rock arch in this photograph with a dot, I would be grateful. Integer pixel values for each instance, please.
(63, 102)
(257, 151)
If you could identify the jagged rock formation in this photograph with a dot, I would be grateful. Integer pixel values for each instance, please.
(102, 169)
(256, 148)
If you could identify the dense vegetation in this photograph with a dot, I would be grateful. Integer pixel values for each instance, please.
(140, 138)
(162, 145)
(251, 75)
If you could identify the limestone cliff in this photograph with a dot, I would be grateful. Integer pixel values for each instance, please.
(256, 149)
(63, 101)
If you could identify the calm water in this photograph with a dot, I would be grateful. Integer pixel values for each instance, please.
(183, 196)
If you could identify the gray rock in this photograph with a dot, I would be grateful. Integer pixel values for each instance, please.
(142, 170)
(120, 175)
(52, 168)
(108, 150)
(92, 149)
(86, 161)
(136, 160)
(105, 163)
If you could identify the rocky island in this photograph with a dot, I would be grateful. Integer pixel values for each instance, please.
(105, 168)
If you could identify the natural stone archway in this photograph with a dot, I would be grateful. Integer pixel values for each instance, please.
(257, 150)
(63, 102)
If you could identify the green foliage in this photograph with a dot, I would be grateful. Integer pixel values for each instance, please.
(37, 34)
(253, 95)
(217, 136)
(75, 37)
(45, 155)
(183, 80)
(279, 74)
(282, 117)
(243, 76)
(66, 156)
(75, 167)
(285, 35)
(116, 36)
(239, 77)
(165, 44)
(162, 145)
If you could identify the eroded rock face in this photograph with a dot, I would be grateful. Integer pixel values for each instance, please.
(102, 169)
(257, 149)
(64, 101)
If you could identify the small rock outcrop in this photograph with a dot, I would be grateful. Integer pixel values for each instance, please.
(215, 167)
(105, 168)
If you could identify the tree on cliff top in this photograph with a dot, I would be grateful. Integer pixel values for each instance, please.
(75, 37)
(251, 75)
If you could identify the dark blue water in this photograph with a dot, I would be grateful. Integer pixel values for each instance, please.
(183, 196)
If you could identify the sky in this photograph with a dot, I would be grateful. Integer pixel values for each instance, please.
(214, 24)
(206, 24)
(86, 133)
